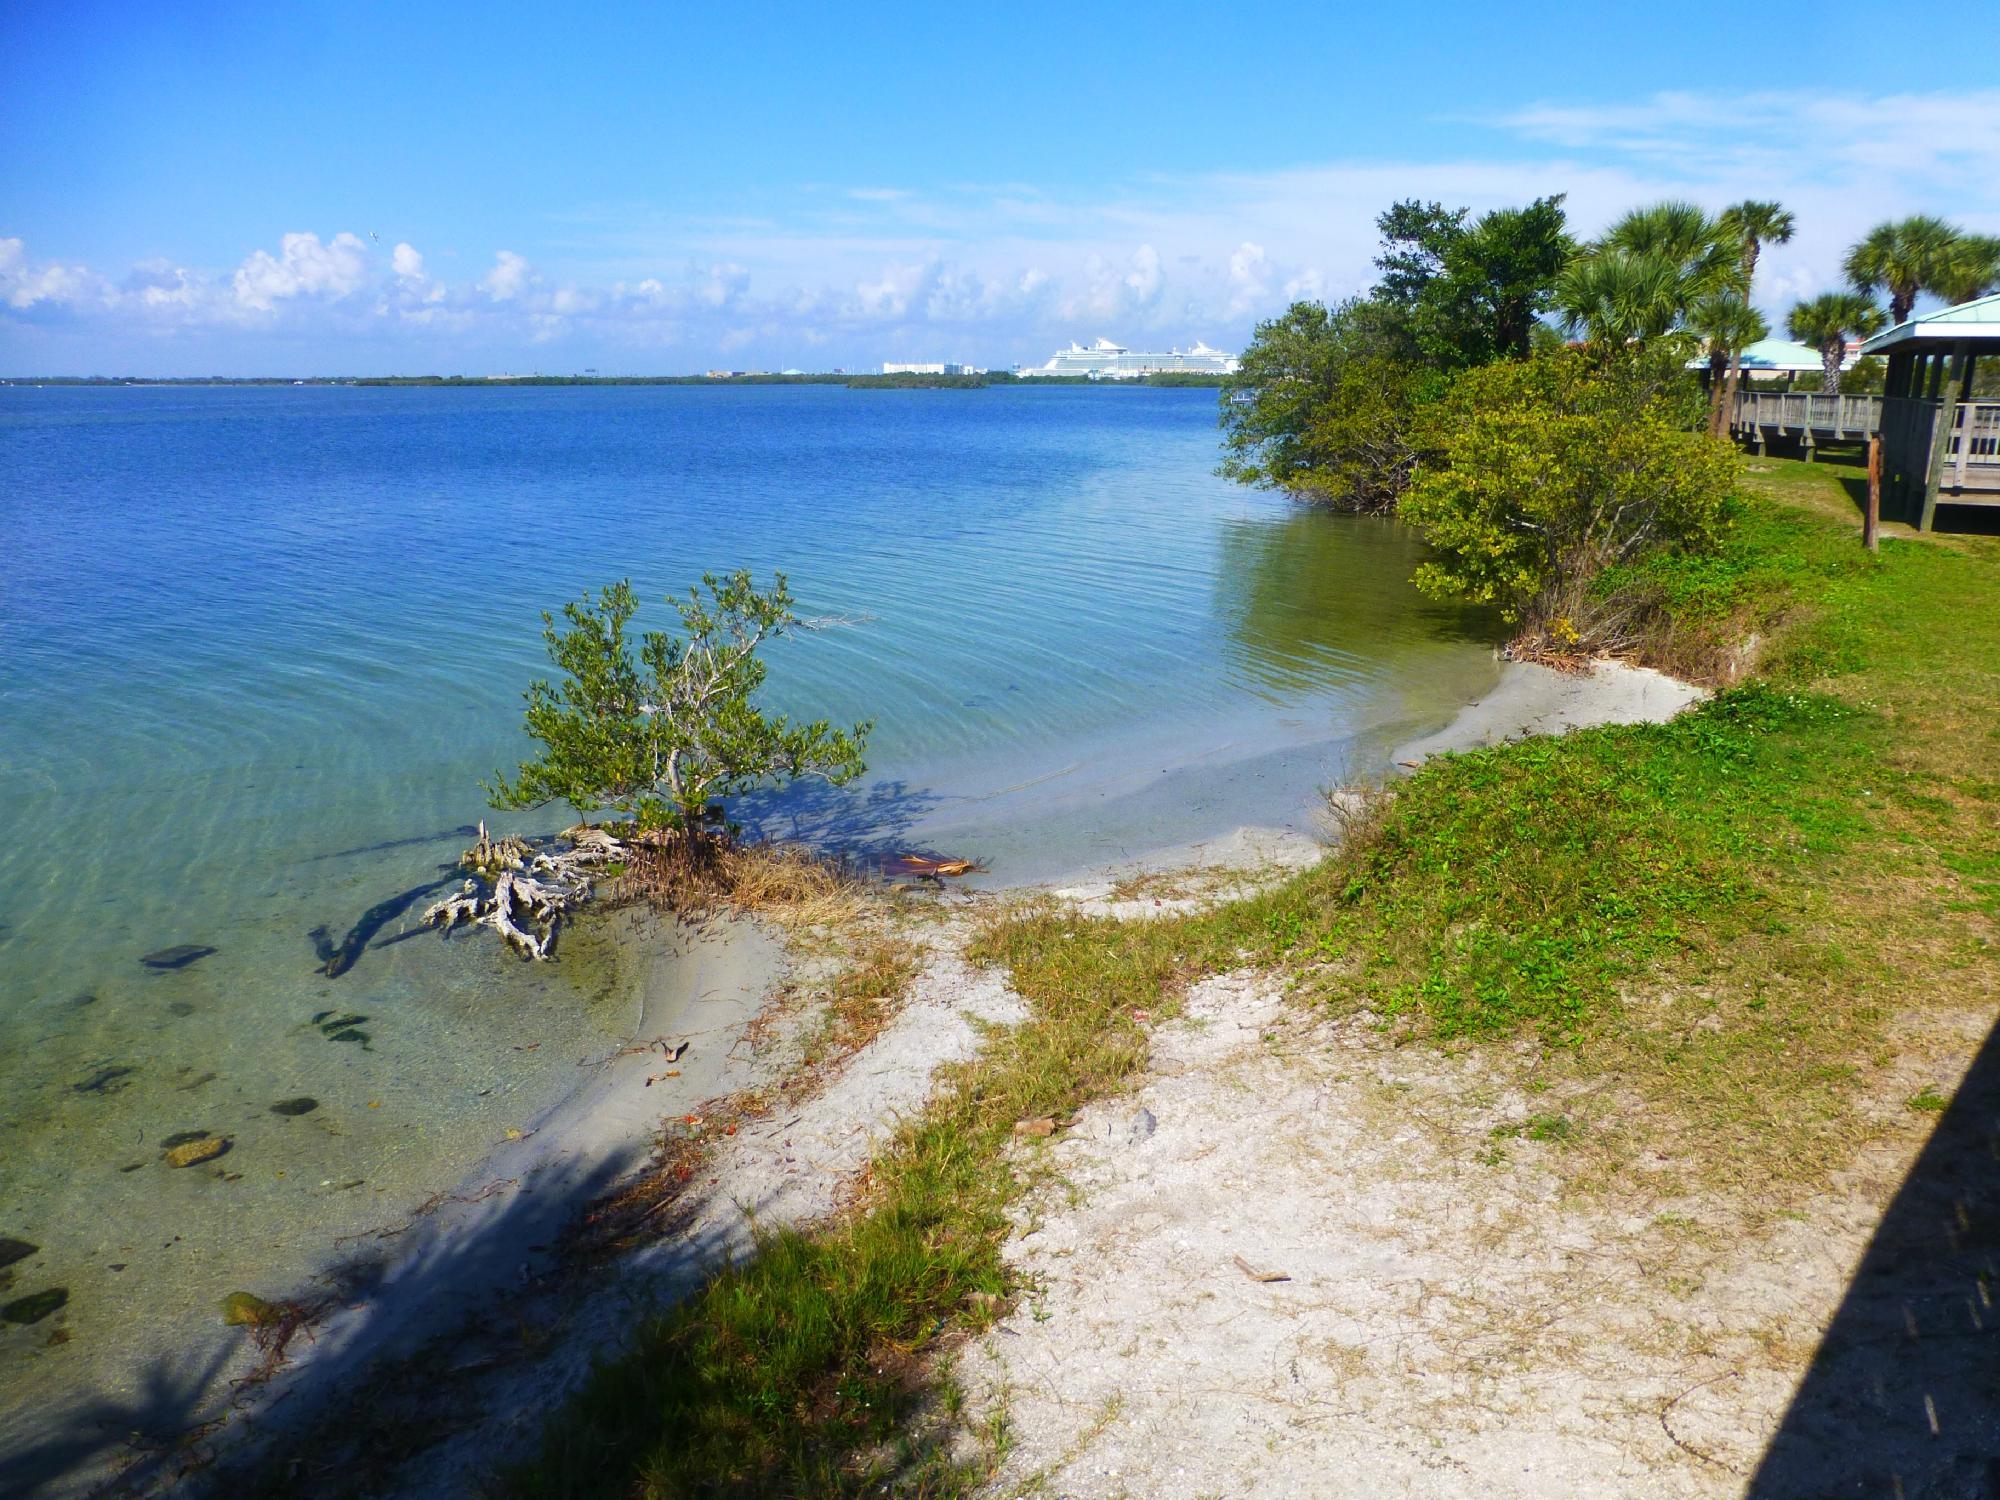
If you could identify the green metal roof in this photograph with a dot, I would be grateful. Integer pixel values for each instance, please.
(1771, 355)
(1977, 319)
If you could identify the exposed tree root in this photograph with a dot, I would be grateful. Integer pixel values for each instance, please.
(523, 893)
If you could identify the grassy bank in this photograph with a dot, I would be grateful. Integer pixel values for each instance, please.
(1712, 948)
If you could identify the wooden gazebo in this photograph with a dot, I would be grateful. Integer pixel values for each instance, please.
(1938, 444)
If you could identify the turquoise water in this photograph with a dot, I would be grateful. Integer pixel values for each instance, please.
(257, 647)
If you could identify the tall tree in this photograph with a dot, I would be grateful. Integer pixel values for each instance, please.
(1906, 257)
(1755, 223)
(1725, 323)
(1499, 276)
(1827, 322)
(1415, 239)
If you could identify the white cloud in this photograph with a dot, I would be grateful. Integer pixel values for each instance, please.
(1789, 134)
(723, 285)
(508, 278)
(24, 286)
(303, 267)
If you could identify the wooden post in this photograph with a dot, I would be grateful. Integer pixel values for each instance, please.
(1871, 519)
(1951, 392)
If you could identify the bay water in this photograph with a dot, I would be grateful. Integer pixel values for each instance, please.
(258, 647)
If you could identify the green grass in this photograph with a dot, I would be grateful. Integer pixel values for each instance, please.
(1711, 935)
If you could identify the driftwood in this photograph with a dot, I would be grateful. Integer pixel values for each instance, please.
(923, 867)
(523, 893)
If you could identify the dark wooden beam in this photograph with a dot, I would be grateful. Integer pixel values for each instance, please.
(1954, 391)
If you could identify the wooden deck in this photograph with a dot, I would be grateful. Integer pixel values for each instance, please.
(1808, 417)
(1966, 463)
(1968, 469)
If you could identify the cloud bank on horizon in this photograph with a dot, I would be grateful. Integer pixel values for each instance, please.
(986, 273)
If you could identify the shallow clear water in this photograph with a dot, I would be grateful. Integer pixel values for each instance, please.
(258, 646)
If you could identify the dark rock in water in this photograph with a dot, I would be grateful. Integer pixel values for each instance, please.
(349, 1035)
(177, 957)
(181, 1008)
(12, 1250)
(106, 1080)
(299, 1106)
(35, 1306)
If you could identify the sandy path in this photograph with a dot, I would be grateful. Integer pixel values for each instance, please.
(1446, 1326)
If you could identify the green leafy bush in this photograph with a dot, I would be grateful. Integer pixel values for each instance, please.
(1550, 470)
(1324, 406)
(659, 737)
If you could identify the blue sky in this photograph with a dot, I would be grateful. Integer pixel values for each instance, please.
(258, 189)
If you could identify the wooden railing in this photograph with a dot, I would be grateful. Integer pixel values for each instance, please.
(1972, 453)
(1814, 412)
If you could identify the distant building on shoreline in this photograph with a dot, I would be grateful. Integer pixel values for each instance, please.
(937, 367)
(1105, 360)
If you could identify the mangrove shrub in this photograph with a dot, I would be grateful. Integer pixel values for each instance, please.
(659, 736)
(1324, 404)
(1545, 472)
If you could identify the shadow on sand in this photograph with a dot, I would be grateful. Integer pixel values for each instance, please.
(1902, 1399)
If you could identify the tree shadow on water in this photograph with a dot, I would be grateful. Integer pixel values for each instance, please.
(424, 1330)
(866, 825)
(1902, 1398)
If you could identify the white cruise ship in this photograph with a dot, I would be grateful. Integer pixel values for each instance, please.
(1105, 360)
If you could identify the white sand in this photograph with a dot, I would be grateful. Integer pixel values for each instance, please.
(1449, 1325)
(1531, 699)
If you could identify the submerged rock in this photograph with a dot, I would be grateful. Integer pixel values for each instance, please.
(194, 1152)
(35, 1306)
(248, 1310)
(106, 1080)
(303, 1105)
(12, 1250)
(177, 957)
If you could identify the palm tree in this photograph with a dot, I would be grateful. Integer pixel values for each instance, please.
(1726, 323)
(1616, 297)
(1906, 257)
(1826, 321)
(1640, 279)
(1971, 269)
(1756, 223)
